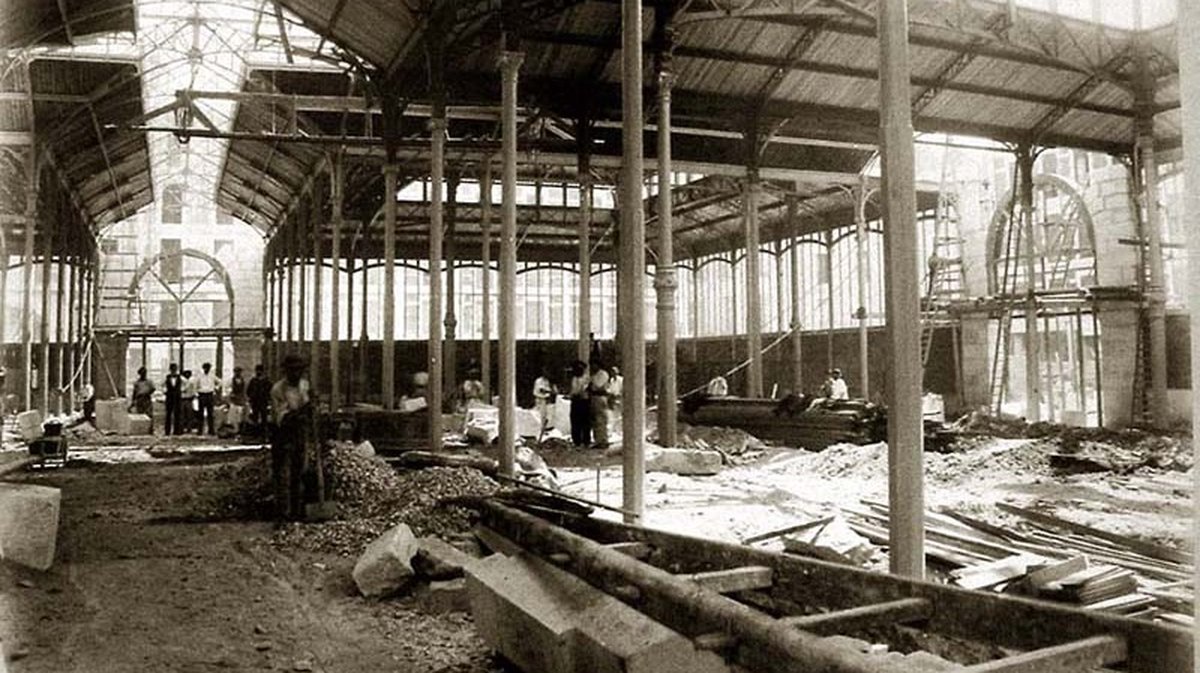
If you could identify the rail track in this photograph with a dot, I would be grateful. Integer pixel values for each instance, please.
(772, 612)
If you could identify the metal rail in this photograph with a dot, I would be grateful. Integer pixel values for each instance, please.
(773, 612)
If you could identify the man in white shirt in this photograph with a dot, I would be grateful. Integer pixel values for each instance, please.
(207, 385)
(837, 386)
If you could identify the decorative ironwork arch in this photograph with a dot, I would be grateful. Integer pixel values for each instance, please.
(215, 268)
(1063, 231)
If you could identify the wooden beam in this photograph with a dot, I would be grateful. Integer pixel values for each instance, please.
(1081, 655)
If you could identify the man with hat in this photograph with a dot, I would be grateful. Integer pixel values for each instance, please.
(291, 415)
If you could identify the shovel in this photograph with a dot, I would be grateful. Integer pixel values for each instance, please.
(323, 509)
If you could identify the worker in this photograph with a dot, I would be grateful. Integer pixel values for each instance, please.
(835, 386)
(471, 389)
(207, 385)
(598, 398)
(89, 403)
(173, 389)
(291, 416)
(258, 393)
(237, 388)
(718, 387)
(187, 403)
(3, 390)
(543, 394)
(581, 414)
(142, 397)
(616, 387)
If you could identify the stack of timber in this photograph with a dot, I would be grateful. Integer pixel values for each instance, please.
(1053, 559)
(791, 421)
(713, 605)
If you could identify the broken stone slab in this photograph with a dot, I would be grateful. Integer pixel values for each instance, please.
(385, 566)
(437, 559)
(29, 524)
(696, 462)
(529, 424)
(542, 618)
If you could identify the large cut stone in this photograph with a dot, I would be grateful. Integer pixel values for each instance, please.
(139, 424)
(29, 524)
(546, 620)
(683, 461)
(113, 416)
(29, 424)
(386, 565)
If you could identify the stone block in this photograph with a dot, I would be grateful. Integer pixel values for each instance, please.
(112, 416)
(139, 424)
(385, 566)
(29, 425)
(437, 559)
(529, 424)
(29, 524)
(440, 598)
(683, 461)
(526, 612)
(546, 620)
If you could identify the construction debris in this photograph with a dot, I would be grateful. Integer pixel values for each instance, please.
(385, 566)
(696, 462)
(373, 498)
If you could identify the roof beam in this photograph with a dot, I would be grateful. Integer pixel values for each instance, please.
(954, 67)
(824, 68)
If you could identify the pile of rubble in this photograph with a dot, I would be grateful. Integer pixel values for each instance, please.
(372, 498)
(1079, 449)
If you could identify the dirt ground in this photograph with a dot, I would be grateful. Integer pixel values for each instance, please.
(145, 582)
(151, 576)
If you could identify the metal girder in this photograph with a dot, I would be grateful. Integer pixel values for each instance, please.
(820, 67)
(954, 67)
(1072, 100)
(795, 55)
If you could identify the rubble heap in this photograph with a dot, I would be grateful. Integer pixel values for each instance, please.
(372, 497)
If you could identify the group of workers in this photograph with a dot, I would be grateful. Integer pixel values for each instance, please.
(594, 392)
(190, 402)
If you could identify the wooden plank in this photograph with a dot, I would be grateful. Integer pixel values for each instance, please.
(1148, 548)
(787, 531)
(900, 611)
(733, 580)
(1074, 657)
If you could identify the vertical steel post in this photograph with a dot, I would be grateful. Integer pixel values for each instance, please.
(315, 371)
(1189, 88)
(388, 375)
(60, 348)
(754, 373)
(510, 66)
(450, 350)
(436, 235)
(583, 344)
(27, 281)
(664, 278)
(485, 335)
(905, 432)
(860, 242)
(797, 320)
(44, 370)
(1033, 379)
(632, 274)
(336, 189)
